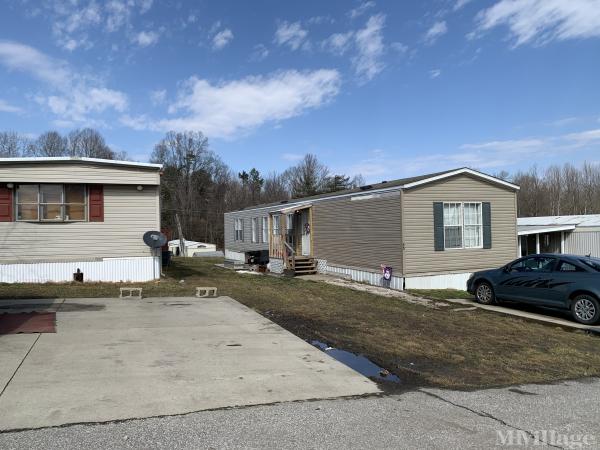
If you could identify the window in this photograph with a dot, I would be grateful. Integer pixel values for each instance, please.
(255, 230)
(564, 266)
(452, 225)
(473, 225)
(463, 225)
(238, 226)
(51, 202)
(535, 264)
(276, 225)
(290, 223)
(593, 263)
(265, 230)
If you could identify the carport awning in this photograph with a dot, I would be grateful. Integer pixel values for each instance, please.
(525, 230)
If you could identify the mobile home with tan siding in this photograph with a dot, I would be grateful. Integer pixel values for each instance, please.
(430, 231)
(61, 214)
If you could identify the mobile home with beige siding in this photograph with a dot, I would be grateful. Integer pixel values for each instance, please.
(430, 231)
(58, 215)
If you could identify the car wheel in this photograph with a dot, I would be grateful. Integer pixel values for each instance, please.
(585, 309)
(484, 293)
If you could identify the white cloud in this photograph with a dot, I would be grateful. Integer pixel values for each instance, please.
(399, 47)
(222, 38)
(542, 21)
(8, 108)
(228, 109)
(436, 30)
(361, 9)
(290, 34)
(338, 43)
(74, 96)
(585, 137)
(259, 52)
(369, 43)
(460, 4)
(76, 23)
(146, 38)
(434, 73)
(158, 97)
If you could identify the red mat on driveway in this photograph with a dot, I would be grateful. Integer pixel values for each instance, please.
(31, 322)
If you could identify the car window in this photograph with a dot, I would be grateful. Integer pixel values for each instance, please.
(565, 266)
(594, 263)
(535, 264)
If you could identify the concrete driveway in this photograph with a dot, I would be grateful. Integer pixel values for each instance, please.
(117, 359)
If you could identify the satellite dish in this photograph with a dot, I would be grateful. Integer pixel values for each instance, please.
(154, 239)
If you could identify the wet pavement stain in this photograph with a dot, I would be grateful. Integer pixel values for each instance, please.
(361, 364)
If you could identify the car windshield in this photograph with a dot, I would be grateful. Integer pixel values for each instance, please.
(594, 263)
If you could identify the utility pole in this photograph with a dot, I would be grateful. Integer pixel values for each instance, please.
(181, 239)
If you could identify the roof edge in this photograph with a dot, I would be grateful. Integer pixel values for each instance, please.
(461, 171)
(77, 159)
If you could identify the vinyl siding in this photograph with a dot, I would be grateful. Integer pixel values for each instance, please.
(128, 214)
(359, 233)
(77, 173)
(420, 258)
(247, 245)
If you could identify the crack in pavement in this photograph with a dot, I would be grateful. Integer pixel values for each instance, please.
(488, 416)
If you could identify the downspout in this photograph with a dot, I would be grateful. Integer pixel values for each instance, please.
(402, 246)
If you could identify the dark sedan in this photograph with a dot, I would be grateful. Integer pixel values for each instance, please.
(553, 280)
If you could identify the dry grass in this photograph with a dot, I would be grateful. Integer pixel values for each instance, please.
(424, 346)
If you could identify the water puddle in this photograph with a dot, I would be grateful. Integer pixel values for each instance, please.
(359, 363)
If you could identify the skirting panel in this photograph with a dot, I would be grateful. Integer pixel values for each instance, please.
(365, 276)
(445, 281)
(108, 269)
(235, 256)
(276, 265)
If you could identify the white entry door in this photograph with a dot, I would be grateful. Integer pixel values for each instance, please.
(305, 223)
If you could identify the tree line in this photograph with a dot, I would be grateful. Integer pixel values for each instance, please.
(85, 142)
(558, 190)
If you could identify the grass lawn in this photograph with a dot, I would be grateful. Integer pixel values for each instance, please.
(423, 346)
(440, 294)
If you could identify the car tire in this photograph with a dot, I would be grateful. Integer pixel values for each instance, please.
(484, 293)
(586, 309)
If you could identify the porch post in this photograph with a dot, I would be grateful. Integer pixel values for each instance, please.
(562, 241)
(537, 242)
(519, 251)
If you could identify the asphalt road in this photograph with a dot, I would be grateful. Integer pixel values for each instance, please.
(561, 415)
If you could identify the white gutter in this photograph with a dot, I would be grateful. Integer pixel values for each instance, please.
(54, 159)
(548, 229)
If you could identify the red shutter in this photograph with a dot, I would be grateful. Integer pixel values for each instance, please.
(6, 204)
(96, 203)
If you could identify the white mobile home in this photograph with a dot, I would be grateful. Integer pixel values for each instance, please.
(61, 214)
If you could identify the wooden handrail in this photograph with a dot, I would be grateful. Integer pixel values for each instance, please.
(292, 253)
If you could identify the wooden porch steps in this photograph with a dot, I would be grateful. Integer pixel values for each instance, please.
(304, 265)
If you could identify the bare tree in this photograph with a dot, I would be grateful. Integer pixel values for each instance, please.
(12, 144)
(51, 143)
(308, 177)
(88, 143)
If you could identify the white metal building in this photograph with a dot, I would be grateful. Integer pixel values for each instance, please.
(578, 235)
(191, 248)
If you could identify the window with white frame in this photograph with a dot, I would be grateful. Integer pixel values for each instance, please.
(51, 202)
(473, 225)
(238, 226)
(255, 230)
(463, 225)
(290, 223)
(265, 230)
(276, 225)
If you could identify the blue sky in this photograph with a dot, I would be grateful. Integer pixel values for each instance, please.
(386, 89)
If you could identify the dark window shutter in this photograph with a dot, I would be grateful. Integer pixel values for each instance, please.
(486, 213)
(96, 203)
(438, 226)
(6, 204)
